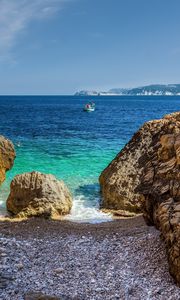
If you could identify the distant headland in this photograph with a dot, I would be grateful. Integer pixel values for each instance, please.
(148, 90)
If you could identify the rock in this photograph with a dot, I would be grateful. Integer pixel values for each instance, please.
(145, 175)
(160, 188)
(19, 266)
(58, 270)
(119, 213)
(40, 296)
(7, 156)
(5, 280)
(120, 179)
(37, 194)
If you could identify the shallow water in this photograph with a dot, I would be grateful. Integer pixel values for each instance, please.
(54, 135)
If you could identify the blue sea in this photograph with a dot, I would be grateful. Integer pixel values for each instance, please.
(52, 134)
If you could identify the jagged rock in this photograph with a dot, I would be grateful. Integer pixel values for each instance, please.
(7, 156)
(120, 179)
(37, 194)
(160, 188)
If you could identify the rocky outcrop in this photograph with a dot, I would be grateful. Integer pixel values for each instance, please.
(7, 156)
(160, 189)
(146, 175)
(37, 194)
(120, 179)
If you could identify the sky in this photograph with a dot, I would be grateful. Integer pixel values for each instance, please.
(62, 46)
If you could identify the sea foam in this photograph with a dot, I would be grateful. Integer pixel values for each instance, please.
(83, 211)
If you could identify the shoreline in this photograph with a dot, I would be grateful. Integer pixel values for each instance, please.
(19, 227)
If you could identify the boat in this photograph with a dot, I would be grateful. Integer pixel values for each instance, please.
(89, 107)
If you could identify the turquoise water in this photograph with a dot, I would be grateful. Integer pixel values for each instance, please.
(54, 135)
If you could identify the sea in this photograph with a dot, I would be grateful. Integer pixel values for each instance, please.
(52, 134)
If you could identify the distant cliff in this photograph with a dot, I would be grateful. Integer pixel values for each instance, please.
(149, 90)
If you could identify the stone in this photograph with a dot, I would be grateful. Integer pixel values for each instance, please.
(160, 197)
(119, 181)
(40, 296)
(145, 176)
(19, 266)
(58, 270)
(7, 156)
(38, 194)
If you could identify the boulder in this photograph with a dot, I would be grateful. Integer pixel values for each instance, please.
(160, 189)
(145, 175)
(37, 194)
(119, 181)
(7, 156)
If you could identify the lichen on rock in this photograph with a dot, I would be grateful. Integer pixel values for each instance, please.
(38, 194)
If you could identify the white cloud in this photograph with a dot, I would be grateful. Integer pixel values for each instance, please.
(15, 16)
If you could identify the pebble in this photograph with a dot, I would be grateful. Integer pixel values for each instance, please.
(86, 267)
(19, 266)
(58, 270)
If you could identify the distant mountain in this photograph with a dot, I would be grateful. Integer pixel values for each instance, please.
(94, 93)
(148, 90)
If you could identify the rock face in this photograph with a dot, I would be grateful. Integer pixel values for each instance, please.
(7, 156)
(146, 175)
(160, 188)
(37, 194)
(120, 179)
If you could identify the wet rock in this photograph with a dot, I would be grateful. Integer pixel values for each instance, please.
(37, 194)
(7, 156)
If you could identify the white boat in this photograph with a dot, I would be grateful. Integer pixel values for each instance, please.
(89, 107)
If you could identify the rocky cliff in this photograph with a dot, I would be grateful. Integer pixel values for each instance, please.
(7, 156)
(146, 175)
(119, 180)
(160, 189)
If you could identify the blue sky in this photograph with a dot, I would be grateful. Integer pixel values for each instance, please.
(61, 46)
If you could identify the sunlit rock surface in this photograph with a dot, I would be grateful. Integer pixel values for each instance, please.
(160, 187)
(7, 156)
(37, 194)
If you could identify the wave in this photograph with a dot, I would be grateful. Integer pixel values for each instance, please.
(84, 211)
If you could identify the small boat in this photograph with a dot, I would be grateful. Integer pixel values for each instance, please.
(89, 107)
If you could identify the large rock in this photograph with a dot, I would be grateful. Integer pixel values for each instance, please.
(120, 179)
(7, 156)
(146, 175)
(37, 194)
(160, 189)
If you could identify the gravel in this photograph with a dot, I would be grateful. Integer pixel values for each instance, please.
(123, 259)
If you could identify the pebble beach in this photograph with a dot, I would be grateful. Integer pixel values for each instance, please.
(123, 259)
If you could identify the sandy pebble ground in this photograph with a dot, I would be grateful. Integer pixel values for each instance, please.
(123, 259)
